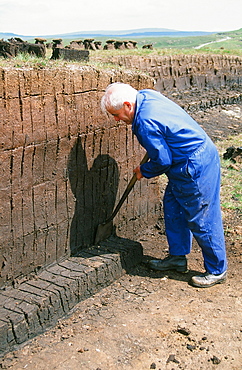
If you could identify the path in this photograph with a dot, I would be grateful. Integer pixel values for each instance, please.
(212, 42)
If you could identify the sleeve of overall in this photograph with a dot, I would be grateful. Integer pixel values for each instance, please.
(152, 138)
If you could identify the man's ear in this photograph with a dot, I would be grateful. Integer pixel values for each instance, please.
(128, 104)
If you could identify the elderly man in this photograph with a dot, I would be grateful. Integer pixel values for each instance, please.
(178, 147)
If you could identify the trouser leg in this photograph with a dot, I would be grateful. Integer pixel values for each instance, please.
(178, 234)
(206, 226)
(201, 204)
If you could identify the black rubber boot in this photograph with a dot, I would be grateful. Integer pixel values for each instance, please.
(177, 263)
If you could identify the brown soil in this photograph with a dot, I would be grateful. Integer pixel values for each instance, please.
(152, 320)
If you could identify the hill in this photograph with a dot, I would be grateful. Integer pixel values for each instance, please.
(142, 32)
(9, 35)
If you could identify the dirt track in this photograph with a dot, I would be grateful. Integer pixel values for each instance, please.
(152, 320)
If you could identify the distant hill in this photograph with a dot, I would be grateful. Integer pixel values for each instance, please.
(8, 35)
(142, 32)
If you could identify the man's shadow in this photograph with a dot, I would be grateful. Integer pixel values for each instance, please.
(95, 191)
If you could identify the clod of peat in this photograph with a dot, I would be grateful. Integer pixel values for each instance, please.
(183, 331)
(172, 358)
(191, 347)
(215, 360)
(233, 153)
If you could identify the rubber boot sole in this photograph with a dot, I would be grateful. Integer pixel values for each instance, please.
(197, 285)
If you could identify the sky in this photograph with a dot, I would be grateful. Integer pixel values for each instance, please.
(51, 17)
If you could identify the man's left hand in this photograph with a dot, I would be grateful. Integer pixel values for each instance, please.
(138, 173)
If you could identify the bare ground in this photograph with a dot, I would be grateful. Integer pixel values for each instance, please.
(152, 320)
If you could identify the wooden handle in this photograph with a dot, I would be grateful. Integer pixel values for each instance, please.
(127, 191)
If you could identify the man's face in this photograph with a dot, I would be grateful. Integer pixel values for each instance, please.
(125, 114)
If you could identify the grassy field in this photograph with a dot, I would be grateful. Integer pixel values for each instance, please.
(186, 45)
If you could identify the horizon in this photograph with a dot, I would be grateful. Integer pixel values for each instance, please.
(118, 32)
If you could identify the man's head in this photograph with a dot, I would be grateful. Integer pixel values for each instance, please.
(119, 100)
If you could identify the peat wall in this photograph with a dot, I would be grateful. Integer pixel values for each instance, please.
(185, 71)
(63, 166)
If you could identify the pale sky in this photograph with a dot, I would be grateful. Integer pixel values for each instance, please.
(50, 17)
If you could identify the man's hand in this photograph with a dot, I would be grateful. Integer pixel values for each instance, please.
(138, 173)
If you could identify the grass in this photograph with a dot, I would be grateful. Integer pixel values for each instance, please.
(231, 184)
(231, 191)
(28, 61)
(31, 61)
(177, 42)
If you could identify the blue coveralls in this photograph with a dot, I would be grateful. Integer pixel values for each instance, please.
(180, 148)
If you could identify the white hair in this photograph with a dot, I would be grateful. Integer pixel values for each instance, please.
(116, 94)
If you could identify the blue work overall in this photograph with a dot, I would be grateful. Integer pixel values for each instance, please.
(180, 148)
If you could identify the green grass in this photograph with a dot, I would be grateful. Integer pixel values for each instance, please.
(178, 42)
(185, 45)
(30, 61)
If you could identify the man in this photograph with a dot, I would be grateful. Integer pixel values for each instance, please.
(180, 148)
